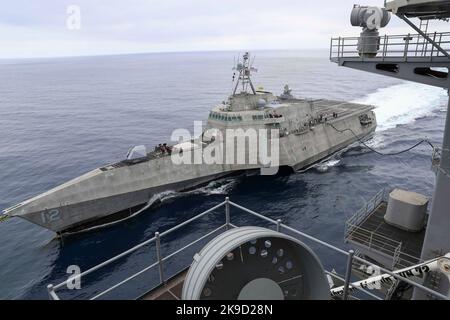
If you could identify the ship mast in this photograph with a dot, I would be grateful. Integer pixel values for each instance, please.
(245, 68)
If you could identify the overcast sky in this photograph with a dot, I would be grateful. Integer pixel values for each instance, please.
(38, 28)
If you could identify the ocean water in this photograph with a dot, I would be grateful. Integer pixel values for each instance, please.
(60, 118)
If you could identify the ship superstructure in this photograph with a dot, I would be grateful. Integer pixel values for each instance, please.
(396, 229)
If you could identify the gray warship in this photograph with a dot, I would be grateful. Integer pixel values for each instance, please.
(396, 236)
(306, 130)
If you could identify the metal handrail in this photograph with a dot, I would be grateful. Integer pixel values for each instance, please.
(365, 211)
(372, 237)
(376, 242)
(354, 231)
(391, 46)
(158, 263)
(351, 258)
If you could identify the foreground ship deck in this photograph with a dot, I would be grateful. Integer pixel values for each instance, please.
(169, 285)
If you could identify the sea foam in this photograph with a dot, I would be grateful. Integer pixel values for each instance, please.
(404, 103)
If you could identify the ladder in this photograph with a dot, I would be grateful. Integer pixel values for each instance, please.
(422, 43)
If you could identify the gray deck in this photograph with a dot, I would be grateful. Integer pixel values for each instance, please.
(411, 242)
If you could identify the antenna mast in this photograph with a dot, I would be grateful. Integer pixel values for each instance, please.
(245, 69)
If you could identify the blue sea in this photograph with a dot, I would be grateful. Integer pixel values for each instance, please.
(62, 117)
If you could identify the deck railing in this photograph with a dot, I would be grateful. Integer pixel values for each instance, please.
(354, 232)
(390, 47)
(362, 214)
(374, 242)
(159, 262)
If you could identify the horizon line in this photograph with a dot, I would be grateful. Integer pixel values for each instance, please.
(155, 52)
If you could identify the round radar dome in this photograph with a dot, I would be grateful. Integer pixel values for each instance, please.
(253, 263)
(261, 103)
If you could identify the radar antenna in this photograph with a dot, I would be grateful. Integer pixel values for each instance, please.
(245, 68)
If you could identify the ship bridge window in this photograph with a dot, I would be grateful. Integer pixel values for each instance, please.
(214, 116)
(258, 117)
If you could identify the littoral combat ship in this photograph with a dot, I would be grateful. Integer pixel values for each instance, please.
(306, 131)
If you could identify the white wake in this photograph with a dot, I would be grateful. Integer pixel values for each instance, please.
(404, 103)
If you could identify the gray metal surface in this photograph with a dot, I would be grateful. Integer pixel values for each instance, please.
(437, 237)
(387, 244)
(408, 57)
(406, 210)
(422, 58)
(242, 259)
(424, 9)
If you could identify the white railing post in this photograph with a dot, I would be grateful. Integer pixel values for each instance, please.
(51, 292)
(331, 48)
(227, 213)
(279, 225)
(432, 47)
(339, 48)
(396, 256)
(159, 257)
(407, 47)
(348, 274)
